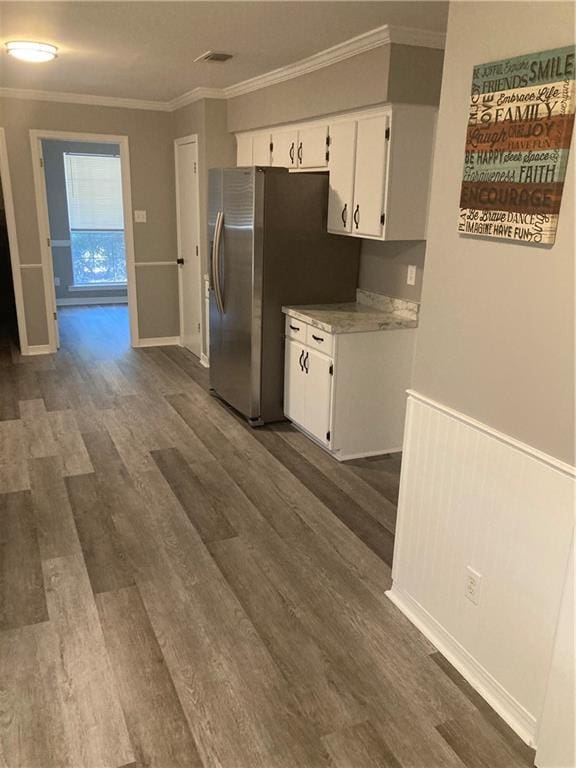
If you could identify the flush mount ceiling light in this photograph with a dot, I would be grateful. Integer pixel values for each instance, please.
(29, 51)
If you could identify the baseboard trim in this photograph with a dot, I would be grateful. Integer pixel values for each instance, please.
(510, 710)
(92, 300)
(204, 360)
(160, 341)
(38, 349)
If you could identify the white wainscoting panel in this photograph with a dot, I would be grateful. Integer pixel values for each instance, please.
(471, 496)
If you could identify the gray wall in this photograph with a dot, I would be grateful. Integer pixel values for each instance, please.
(152, 177)
(496, 334)
(384, 267)
(216, 148)
(53, 153)
(391, 73)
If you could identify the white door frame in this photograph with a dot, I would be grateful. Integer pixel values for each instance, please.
(36, 136)
(190, 139)
(13, 242)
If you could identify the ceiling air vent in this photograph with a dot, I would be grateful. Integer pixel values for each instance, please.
(214, 56)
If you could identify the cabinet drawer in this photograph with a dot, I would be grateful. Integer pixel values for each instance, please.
(296, 329)
(320, 340)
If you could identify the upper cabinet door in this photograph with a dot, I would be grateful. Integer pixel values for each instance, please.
(312, 147)
(371, 158)
(260, 149)
(341, 167)
(243, 150)
(284, 149)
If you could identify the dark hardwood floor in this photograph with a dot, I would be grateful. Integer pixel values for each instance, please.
(178, 590)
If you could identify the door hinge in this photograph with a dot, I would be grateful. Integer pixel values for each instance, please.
(198, 327)
(328, 436)
(48, 242)
(41, 162)
(382, 218)
(55, 316)
(327, 141)
(387, 134)
(331, 370)
(271, 146)
(327, 156)
(194, 167)
(196, 250)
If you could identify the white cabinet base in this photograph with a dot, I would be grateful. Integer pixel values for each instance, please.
(350, 398)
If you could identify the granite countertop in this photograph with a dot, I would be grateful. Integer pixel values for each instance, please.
(353, 317)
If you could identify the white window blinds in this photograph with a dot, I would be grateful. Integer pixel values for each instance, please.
(94, 191)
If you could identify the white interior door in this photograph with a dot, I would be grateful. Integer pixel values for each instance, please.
(189, 271)
(371, 155)
(318, 394)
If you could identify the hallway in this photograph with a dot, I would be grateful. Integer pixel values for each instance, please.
(180, 590)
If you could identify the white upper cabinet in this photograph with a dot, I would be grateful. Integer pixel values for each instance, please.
(369, 176)
(260, 149)
(312, 147)
(284, 149)
(379, 162)
(341, 165)
(243, 150)
(303, 148)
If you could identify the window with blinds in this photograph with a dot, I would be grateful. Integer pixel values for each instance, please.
(96, 219)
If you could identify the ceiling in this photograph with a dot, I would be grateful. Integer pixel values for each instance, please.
(145, 50)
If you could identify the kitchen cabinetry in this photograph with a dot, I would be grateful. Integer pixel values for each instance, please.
(347, 390)
(303, 148)
(379, 161)
(253, 149)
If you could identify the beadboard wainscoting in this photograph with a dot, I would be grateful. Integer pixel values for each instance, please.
(471, 496)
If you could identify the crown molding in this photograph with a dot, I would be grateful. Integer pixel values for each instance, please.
(83, 98)
(375, 38)
(195, 95)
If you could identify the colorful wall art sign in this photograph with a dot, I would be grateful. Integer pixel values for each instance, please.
(517, 143)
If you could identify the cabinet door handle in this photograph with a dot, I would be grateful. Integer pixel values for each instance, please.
(300, 360)
(345, 214)
(306, 363)
(291, 153)
(317, 338)
(300, 153)
(294, 327)
(357, 215)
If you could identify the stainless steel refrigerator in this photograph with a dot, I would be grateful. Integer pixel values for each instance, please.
(268, 247)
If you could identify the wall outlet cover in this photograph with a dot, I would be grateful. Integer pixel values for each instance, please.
(56, 281)
(411, 275)
(140, 217)
(472, 585)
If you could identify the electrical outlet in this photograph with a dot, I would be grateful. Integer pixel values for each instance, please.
(56, 281)
(411, 275)
(140, 217)
(473, 585)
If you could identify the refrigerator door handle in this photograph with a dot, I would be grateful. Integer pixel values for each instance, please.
(216, 262)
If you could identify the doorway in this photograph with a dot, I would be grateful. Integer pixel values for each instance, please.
(85, 220)
(188, 234)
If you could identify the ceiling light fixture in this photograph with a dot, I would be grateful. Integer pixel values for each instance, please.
(29, 51)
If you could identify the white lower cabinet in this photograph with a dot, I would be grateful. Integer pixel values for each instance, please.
(350, 398)
(308, 389)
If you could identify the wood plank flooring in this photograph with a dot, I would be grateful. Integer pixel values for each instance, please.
(178, 590)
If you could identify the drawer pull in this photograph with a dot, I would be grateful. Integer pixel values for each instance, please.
(294, 327)
(317, 338)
